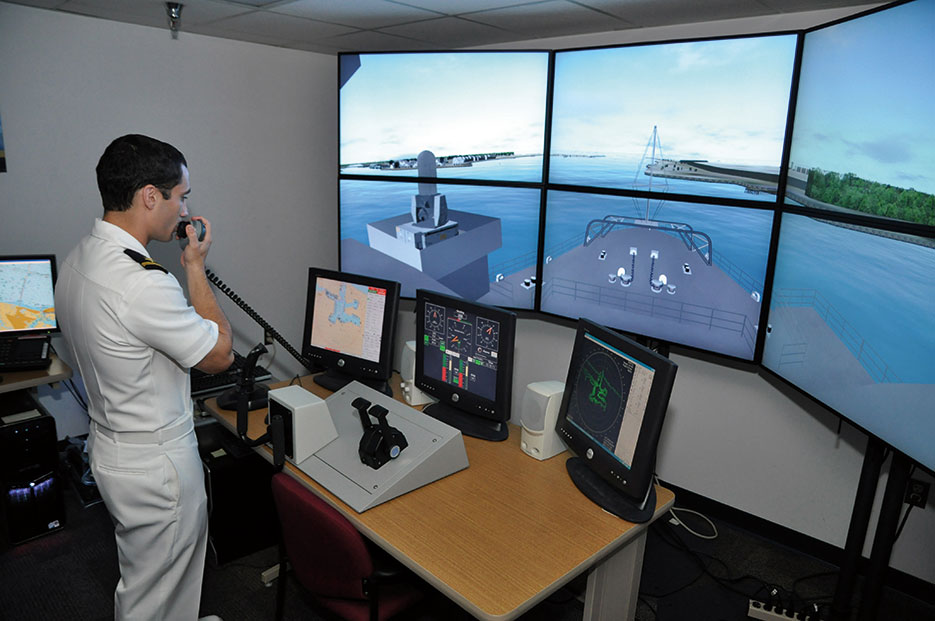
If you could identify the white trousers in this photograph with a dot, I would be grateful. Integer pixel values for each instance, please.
(156, 496)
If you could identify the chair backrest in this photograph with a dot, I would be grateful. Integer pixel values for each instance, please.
(328, 556)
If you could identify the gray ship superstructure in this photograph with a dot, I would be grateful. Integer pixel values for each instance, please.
(431, 246)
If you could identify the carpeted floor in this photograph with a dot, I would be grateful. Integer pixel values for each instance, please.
(71, 574)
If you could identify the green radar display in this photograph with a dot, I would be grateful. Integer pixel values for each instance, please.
(600, 393)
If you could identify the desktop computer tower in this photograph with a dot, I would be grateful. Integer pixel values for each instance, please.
(30, 483)
(241, 515)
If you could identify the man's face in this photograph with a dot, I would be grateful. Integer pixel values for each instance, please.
(171, 210)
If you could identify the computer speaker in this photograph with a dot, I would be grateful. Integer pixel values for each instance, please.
(308, 423)
(407, 371)
(538, 414)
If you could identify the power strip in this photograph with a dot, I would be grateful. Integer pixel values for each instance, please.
(759, 610)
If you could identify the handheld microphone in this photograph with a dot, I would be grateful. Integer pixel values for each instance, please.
(183, 236)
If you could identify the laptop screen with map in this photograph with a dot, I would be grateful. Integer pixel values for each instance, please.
(27, 304)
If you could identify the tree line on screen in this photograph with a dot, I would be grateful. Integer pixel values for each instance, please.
(852, 192)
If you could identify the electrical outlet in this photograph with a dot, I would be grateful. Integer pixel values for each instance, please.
(267, 337)
(917, 493)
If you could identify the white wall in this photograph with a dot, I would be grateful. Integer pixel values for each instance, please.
(258, 126)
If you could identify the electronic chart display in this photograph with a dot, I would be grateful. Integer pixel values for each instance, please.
(348, 318)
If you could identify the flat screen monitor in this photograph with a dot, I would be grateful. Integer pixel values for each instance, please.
(685, 273)
(482, 114)
(413, 125)
(464, 359)
(350, 328)
(863, 137)
(611, 416)
(701, 118)
(850, 324)
(27, 301)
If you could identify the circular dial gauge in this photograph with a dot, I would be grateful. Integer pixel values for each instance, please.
(488, 334)
(434, 318)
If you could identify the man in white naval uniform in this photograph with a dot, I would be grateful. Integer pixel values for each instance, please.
(134, 337)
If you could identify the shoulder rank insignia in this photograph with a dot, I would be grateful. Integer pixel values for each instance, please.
(146, 262)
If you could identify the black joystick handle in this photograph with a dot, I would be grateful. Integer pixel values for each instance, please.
(360, 404)
(379, 412)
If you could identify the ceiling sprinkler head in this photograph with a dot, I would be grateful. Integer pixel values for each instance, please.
(174, 12)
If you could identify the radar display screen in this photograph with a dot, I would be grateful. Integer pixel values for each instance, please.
(461, 349)
(610, 392)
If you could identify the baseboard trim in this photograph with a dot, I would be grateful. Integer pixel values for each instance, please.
(801, 543)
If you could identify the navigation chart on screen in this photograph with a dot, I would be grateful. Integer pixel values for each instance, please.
(348, 318)
(26, 301)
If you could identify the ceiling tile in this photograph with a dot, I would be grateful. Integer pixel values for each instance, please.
(452, 32)
(460, 7)
(286, 28)
(376, 41)
(644, 13)
(365, 14)
(546, 19)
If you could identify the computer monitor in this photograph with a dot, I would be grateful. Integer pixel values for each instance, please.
(27, 302)
(464, 358)
(412, 126)
(850, 325)
(862, 133)
(350, 327)
(615, 400)
(686, 273)
(696, 118)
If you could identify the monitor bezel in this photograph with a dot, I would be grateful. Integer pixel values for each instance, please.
(634, 483)
(347, 364)
(51, 258)
(497, 410)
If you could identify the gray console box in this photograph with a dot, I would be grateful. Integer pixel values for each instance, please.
(435, 450)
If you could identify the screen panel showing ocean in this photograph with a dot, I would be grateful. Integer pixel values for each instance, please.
(851, 323)
(686, 273)
(464, 107)
(710, 113)
(475, 242)
(877, 67)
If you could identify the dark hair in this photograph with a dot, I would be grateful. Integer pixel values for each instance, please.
(132, 162)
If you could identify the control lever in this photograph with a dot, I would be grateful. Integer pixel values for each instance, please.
(380, 443)
(275, 430)
(360, 404)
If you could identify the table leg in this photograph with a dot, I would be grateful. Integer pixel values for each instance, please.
(614, 585)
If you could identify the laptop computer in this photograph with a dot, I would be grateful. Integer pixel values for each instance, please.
(27, 311)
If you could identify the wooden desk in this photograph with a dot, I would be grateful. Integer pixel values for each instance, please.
(502, 535)
(17, 380)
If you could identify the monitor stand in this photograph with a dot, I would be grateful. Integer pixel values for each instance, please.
(601, 493)
(335, 381)
(468, 424)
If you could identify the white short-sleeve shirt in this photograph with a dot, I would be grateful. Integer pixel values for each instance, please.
(130, 331)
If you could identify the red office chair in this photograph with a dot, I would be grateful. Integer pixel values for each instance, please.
(344, 572)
